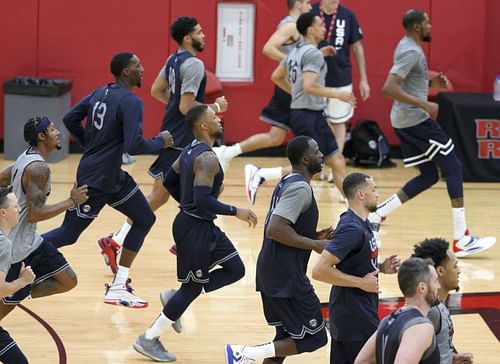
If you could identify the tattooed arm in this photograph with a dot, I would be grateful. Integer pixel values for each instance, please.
(5, 175)
(36, 186)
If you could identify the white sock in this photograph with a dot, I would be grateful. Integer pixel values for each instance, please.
(389, 205)
(260, 352)
(270, 173)
(161, 324)
(233, 150)
(121, 275)
(119, 237)
(459, 224)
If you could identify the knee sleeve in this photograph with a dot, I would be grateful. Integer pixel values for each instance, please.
(186, 294)
(311, 343)
(139, 229)
(453, 172)
(428, 176)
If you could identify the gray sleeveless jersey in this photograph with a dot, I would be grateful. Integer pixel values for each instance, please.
(305, 57)
(441, 319)
(287, 48)
(5, 253)
(24, 238)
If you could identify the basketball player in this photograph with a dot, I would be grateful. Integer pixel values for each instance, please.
(195, 180)
(446, 264)
(350, 264)
(10, 352)
(424, 143)
(180, 85)
(407, 336)
(113, 124)
(302, 74)
(344, 33)
(277, 111)
(288, 298)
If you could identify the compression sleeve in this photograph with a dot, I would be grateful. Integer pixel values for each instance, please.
(203, 199)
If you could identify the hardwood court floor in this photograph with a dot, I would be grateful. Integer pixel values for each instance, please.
(93, 332)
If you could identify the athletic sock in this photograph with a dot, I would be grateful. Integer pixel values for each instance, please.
(389, 205)
(270, 173)
(120, 235)
(459, 224)
(260, 352)
(161, 324)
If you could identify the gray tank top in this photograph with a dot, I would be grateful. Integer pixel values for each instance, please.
(24, 237)
(287, 48)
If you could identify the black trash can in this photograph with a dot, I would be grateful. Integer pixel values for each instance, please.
(26, 97)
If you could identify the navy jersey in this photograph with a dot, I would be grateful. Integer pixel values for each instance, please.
(114, 125)
(391, 331)
(173, 119)
(281, 269)
(353, 312)
(186, 164)
(345, 32)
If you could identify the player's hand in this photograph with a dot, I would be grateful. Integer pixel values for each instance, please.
(364, 90)
(328, 51)
(345, 96)
(79, 194)
(26, 274)
(440, 81)
(247, 215)
(168, 139)
(222, 103)
(432, 108)
(320, 245)
(369, 283)
(463, 358)
(326, 233)
(391, 265)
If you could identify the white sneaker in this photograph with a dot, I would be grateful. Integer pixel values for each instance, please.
(252, 182)
(123, 295)
(164, 297)
(234, 355)
(469, 245)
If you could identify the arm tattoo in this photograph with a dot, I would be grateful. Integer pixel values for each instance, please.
(37, 189)
(5, 176)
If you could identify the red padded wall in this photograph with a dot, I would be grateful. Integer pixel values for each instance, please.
(75, 40)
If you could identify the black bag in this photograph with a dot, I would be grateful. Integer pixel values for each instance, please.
(369, 146)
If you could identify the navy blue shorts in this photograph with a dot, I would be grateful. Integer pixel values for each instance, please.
(313, 124)
(98, 199)
(201, 245)
(46, 261)
(277, 111)
(297, 315)
(10, 353)
(160, 166)
(422, 142)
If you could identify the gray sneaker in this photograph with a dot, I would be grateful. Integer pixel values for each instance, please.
(153, 349)
(164, 297)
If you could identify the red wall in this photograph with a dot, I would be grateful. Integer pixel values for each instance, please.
(75, 40)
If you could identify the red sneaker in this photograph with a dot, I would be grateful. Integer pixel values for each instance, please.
(109, 250)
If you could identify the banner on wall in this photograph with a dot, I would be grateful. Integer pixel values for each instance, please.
(235, 42)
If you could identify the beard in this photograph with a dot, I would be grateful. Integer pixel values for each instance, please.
(198, 45)
(432, 299)
(314, 168)
(372, 208)
(426, 38)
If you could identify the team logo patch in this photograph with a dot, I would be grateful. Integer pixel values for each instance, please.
(86, 208)
(313, 323)
(199, 273)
